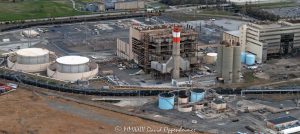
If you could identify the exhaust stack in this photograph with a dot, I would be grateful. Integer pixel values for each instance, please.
(176, 52)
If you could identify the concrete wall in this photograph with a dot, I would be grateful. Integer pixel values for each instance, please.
(72, 76)
(126, 5)
(123, 49)
(26, 67)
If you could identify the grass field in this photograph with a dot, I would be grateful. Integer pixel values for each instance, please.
(286, 3)
(34, 9)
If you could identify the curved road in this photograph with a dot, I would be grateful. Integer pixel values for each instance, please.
(74, 5)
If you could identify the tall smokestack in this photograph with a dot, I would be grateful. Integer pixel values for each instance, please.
(176, 52)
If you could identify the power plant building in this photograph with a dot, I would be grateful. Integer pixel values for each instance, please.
(266, 39)
(30, 60)
(154, 49)
(72, 68)
(232, 37)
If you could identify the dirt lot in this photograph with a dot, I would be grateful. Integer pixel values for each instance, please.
(24, 111)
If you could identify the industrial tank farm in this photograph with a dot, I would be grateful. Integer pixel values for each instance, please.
(72, 68)
(30, 60)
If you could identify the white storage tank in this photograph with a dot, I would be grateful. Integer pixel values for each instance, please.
(72, 64)
(32, 56)
(30, 60)
(73, 68)
(211, 58)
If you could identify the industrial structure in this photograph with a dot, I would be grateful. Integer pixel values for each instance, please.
(281, 122)
(268, 39)
(232, 37)
(229, 63)
(162, 50)
(30, 33)
(218, 105)
(124, 4)
(72, 68)
(30, 60)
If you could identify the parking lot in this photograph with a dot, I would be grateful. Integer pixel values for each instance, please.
(286, 12)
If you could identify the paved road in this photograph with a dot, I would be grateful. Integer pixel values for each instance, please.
(74, 5)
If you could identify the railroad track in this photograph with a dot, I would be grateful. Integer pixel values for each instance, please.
(145, 88)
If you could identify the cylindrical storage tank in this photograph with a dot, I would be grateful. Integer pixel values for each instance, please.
(219, 61)
(197, 95)
(211, 58)
(243, 57)
(198, 106)
(183, 99)
(236, 64)
(166, 101)
(72, 64)
(187, 108)
(32, 56)
(227, 64)
(250, 59)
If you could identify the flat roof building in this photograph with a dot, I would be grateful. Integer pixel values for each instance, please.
(281, 123)
(218, 105)
(269, 39)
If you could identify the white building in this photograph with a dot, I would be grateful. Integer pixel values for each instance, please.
(266, 39)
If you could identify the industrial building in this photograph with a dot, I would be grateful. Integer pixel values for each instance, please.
(72, 68)
(30, 60)
(229, 63)
(232, 37)
(156, 50)
(123, 49)
(218, 105)
(281, 122)
(124, 4)
(129, 4)
(268, 39)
